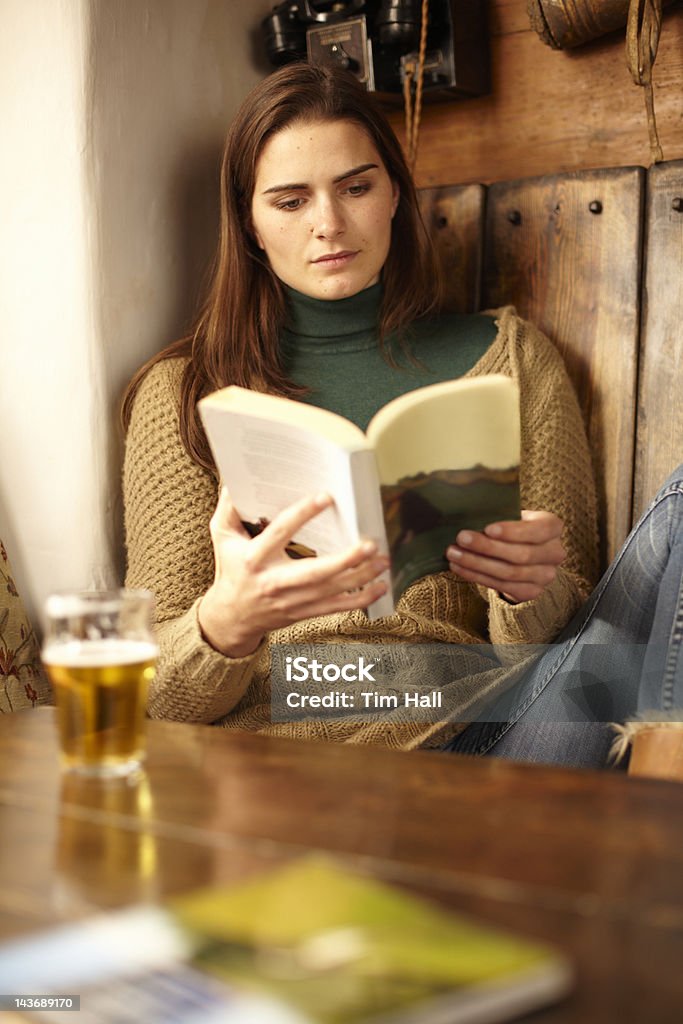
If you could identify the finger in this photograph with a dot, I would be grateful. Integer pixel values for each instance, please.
(291, 604)
(518, 591)
(504, 572)
(533, 528)
(286, 524)
(326, 567)
(294, 584)
(530, 515)
(353, 579)
(225, 517)
(344, 602)
(341, 577)
(549, 553)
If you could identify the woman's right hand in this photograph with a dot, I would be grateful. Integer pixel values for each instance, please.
(258, 587)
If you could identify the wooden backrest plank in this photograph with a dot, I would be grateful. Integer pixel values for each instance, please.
(454, 217)
(565, 250)
(659, 428)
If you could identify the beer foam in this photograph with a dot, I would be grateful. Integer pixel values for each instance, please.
(99, 653)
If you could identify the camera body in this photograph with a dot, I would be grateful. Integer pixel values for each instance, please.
(377, 40)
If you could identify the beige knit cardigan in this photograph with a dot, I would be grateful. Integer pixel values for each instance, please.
(169, 501)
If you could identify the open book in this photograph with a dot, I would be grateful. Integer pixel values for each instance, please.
(432, 462)
(307, 943)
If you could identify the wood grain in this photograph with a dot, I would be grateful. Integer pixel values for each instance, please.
(659, 432)
(590, 861)
(454, 217)
(506, 16)
(576, 274)
(551, 110)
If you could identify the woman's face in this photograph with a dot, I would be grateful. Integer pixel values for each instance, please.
(322, 208)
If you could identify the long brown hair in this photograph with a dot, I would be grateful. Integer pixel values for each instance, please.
(236, 339)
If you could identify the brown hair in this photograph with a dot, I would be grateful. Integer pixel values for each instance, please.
(236, 339)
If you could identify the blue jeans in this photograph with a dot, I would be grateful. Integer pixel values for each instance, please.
(620, 656)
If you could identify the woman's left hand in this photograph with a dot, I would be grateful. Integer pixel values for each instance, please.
(517, 558)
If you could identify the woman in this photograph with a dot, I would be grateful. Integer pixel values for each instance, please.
(324, 289)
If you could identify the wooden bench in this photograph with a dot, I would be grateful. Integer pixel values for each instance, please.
(595, 259)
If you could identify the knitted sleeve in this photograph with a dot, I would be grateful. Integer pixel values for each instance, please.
(168, 502)
(556, 475)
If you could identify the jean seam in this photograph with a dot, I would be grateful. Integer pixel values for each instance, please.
(670, 667)
(493, 739)
(550, 672)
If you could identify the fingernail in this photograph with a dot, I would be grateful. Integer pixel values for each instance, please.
(464, 537)
(452, 553)
(368, 547)
(493, 531)
(322, 500)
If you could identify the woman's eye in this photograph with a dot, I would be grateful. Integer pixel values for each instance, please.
(357, 190)
(290, 204)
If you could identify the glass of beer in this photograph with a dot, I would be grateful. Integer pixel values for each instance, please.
(100, 654)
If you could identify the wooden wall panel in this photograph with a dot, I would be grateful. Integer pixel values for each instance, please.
(506, 16)
(551, 110)
(454, 217)
(659, 436)
(576, 274)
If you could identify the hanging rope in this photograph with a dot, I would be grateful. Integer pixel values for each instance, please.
(413, 107)
(642, 39)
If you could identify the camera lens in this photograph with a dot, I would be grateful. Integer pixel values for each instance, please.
(284, 34)
(398, 24)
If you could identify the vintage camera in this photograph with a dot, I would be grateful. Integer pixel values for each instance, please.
(377, 40)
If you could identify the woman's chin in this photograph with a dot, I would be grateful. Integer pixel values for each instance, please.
(341, 287)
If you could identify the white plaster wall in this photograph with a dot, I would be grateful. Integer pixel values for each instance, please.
(51, 373)
(112, 114)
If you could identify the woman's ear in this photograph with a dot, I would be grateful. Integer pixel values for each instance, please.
(251, 230)
(396, 195)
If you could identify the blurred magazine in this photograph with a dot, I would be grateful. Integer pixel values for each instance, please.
(309, 943)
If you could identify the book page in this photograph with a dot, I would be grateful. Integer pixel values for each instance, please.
(267, 466)
(277, 409)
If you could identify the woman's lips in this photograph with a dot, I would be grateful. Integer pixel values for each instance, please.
(334, 260)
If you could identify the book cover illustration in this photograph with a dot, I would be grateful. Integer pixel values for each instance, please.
(424, 513)
(448, 459)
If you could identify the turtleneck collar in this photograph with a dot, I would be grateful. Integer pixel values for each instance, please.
(349, 321)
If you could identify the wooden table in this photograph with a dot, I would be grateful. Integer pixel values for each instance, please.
(592, 862)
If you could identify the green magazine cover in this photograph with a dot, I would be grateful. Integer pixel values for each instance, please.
(308, 943)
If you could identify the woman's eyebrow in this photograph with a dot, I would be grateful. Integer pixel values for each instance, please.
(355, 170)
(347, 174)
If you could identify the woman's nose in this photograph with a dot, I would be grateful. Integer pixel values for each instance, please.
(328, 218)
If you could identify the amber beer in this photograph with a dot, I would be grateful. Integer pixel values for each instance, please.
(100, 655)
(101, 694)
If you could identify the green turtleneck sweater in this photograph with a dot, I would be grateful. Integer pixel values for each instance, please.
(332, 348)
